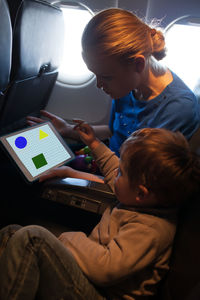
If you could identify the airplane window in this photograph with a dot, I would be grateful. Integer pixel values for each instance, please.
(73, 70)
(183, 44)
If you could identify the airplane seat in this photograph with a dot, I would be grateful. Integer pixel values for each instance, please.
(5, 47)
(194, 142)
(183, 279)
(13, 7)
(38, 31)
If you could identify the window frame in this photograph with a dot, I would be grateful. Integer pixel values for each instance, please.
(91, 77)
(188, 20)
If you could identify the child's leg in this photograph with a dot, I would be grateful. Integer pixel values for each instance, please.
(35, 263)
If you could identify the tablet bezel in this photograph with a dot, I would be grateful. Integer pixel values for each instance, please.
(17, 161)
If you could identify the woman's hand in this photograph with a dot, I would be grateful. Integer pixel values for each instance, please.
(86, 133)
(61, 125)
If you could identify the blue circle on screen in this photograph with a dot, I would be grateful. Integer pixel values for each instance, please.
(21, 142)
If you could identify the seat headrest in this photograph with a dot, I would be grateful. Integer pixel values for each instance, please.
(5, 45)
(38, 39)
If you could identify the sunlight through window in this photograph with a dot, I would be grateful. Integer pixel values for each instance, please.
(183, 46)
(73, 70)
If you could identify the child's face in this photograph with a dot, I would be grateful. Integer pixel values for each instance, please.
(116, 79)
(124, 193)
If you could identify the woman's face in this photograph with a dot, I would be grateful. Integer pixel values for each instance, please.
(115, 78)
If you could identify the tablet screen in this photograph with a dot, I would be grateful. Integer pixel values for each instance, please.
(37, 149)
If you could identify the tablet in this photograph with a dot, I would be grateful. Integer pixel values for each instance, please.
(37, 149)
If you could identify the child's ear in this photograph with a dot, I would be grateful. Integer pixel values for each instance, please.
(142, 193)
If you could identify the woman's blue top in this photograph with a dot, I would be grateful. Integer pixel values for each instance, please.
(176, 109)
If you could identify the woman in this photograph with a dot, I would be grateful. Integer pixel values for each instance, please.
(124, 53)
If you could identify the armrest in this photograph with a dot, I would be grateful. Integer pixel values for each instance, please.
(88, 195)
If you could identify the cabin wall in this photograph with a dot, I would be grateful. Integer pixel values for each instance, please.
(170, 10)
(139, 7)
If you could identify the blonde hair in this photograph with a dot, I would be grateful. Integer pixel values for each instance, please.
(120, 33)
(163, 162)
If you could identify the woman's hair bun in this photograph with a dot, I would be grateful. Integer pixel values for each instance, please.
(158, 44)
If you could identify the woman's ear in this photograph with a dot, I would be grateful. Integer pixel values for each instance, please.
(139, 62)
(142, 193)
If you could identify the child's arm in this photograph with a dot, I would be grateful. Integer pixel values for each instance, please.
(133, 249)
(87, 135)
(107, 161)
(65, 171)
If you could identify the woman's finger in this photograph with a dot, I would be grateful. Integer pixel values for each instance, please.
(47, 114)
(34, 119)
(31, 123)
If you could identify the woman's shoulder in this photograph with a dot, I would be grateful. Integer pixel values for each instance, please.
(177, 88)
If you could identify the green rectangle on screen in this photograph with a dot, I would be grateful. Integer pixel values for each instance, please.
(39, 161)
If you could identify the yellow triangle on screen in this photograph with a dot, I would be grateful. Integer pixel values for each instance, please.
(42, 135)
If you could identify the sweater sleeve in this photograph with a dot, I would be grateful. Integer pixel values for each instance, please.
(130, 251)
(108, 162)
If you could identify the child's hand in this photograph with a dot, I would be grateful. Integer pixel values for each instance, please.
(60, 172)
(86, 134)
(65, 171)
